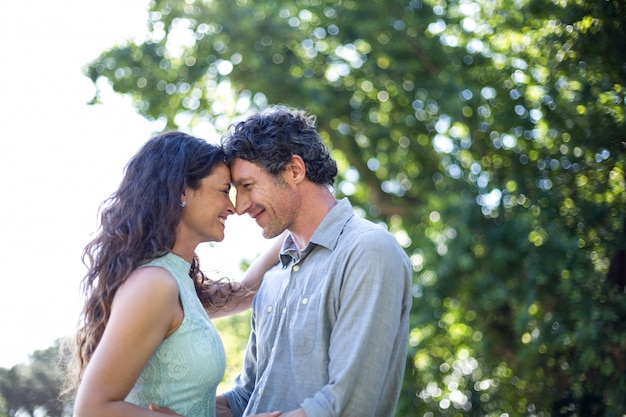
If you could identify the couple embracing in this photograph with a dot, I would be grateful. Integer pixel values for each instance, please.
(330, 298)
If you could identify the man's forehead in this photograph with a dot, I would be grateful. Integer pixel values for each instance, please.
(242, 170)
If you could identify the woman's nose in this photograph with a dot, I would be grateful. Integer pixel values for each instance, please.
(231, 207)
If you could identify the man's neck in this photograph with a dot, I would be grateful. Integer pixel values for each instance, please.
(317, 202)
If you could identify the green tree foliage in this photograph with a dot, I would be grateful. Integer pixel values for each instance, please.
(489, 135)
(33, 389)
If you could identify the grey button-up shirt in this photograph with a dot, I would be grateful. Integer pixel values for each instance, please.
(330, 325)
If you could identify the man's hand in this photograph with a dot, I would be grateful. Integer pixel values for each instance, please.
(223, 410)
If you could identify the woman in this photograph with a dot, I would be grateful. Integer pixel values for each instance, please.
(146, 338)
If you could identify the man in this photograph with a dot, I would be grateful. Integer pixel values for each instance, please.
(330, 321)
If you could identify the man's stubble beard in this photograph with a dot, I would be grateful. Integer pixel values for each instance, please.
(284, 213)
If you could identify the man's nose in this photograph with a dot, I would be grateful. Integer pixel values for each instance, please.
(242, 204)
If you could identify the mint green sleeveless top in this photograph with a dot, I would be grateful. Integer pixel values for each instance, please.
(184, 371)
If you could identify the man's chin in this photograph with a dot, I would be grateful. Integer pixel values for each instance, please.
(271, 233)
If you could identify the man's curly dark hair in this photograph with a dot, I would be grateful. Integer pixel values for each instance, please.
(271, 137)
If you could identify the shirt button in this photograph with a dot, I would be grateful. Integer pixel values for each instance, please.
(269, 309)
(305, 300)
(296, 268)
(284, 310)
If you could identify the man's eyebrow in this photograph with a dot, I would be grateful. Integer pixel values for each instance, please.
(243, 180)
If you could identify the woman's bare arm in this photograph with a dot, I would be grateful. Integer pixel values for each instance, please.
(145, 311)
(251, 280)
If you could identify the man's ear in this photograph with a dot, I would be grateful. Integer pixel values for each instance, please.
(296, 169)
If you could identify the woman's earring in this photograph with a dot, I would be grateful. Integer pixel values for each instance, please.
(183, 204)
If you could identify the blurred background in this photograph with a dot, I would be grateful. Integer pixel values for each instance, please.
(60, 157)
(488, 136)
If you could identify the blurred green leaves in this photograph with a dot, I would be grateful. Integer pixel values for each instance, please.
(488, 135)
(34, 389)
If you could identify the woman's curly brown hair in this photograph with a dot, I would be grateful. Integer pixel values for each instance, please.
(138, 224)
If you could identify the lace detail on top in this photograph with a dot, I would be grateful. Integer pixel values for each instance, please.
(184, 371)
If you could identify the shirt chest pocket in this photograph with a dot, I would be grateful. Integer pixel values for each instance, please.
(304, 324)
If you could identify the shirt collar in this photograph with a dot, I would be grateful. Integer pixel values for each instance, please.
(327, 233)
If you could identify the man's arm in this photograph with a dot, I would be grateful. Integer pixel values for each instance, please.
(221, 407)
(234, 402)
